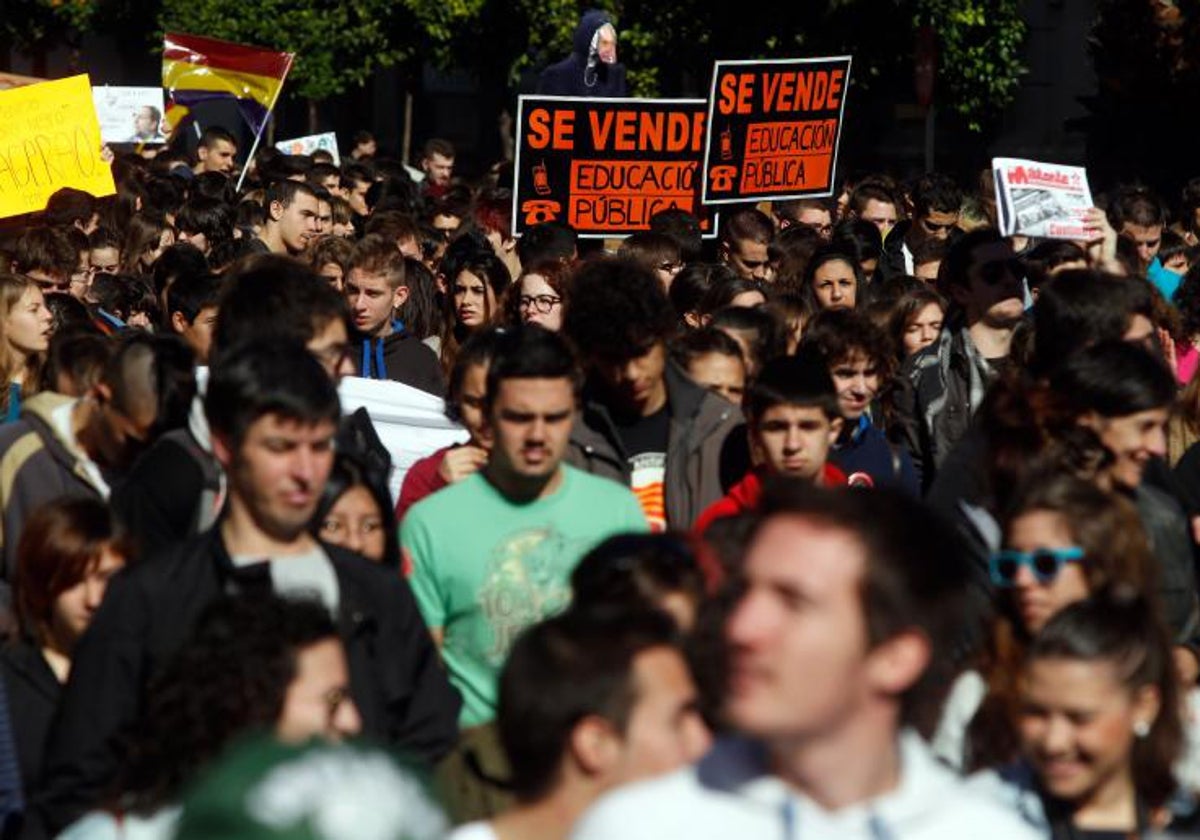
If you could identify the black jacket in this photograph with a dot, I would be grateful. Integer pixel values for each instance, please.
(400, 358)
(891, 261)
(33, 695)
(170, 494)
(148, 613)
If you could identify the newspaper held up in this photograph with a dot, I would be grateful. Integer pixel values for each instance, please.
(1041, 199)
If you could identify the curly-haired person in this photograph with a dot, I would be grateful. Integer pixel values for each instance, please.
(643, 421)
(255, 663)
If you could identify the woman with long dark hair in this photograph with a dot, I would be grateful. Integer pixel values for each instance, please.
(473, 299)
(1098, 724)
(67, 552)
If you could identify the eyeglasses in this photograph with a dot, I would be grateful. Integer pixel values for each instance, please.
(541, 304)
(1045, 563)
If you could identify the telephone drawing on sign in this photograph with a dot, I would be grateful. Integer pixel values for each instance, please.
(538, 211)
(541, 180)
(722, 178)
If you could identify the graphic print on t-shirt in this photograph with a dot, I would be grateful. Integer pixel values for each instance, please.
(649, 469)
(645, 440)
(527, 579)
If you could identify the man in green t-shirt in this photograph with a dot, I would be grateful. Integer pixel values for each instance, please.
(493, 554)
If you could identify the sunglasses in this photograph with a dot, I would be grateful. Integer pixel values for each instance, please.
(931, 227)
(1044, 563)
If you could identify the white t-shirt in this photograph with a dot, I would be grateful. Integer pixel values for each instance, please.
(480, 830)
(101, 825)
(949, 742)
(730, 794)
(308, 575)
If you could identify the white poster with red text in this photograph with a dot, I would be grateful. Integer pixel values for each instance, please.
(1045, 200)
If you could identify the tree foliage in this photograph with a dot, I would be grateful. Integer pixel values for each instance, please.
(28, 24)
(979, 62)
(668, 48)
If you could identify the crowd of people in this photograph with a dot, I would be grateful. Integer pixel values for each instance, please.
(860, 520)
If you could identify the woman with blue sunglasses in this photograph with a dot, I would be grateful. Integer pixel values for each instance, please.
(1064, 539)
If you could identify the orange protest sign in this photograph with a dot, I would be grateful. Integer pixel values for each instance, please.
(49, 139)
(606, 166)
(773, 128)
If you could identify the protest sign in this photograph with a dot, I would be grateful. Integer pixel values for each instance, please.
(410, 423)
(1041, 199)
(308, 145)
(49, 139)
(606, 166)
(774, 128)
(129, 114)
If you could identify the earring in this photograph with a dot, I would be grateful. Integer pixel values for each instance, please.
(1141, 728)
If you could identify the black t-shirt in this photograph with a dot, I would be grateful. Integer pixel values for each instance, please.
(644, 440)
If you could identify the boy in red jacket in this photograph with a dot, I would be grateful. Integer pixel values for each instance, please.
(792, 419)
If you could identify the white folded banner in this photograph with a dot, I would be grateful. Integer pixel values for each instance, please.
(410, 422)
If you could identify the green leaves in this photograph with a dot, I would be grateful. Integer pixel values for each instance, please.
(979, 44)
(27, 23)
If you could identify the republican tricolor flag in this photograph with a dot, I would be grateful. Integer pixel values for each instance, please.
(196, 69)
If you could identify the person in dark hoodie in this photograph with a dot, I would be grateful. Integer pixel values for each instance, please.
(936, 203)
(591, 69)
(375, 288)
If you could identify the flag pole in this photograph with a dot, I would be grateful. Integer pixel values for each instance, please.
(258, 134)
(250, 157)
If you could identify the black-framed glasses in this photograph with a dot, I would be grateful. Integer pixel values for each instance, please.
(1044, 563)
(541, 304)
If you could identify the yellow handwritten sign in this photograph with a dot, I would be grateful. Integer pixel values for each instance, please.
(49, 139)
